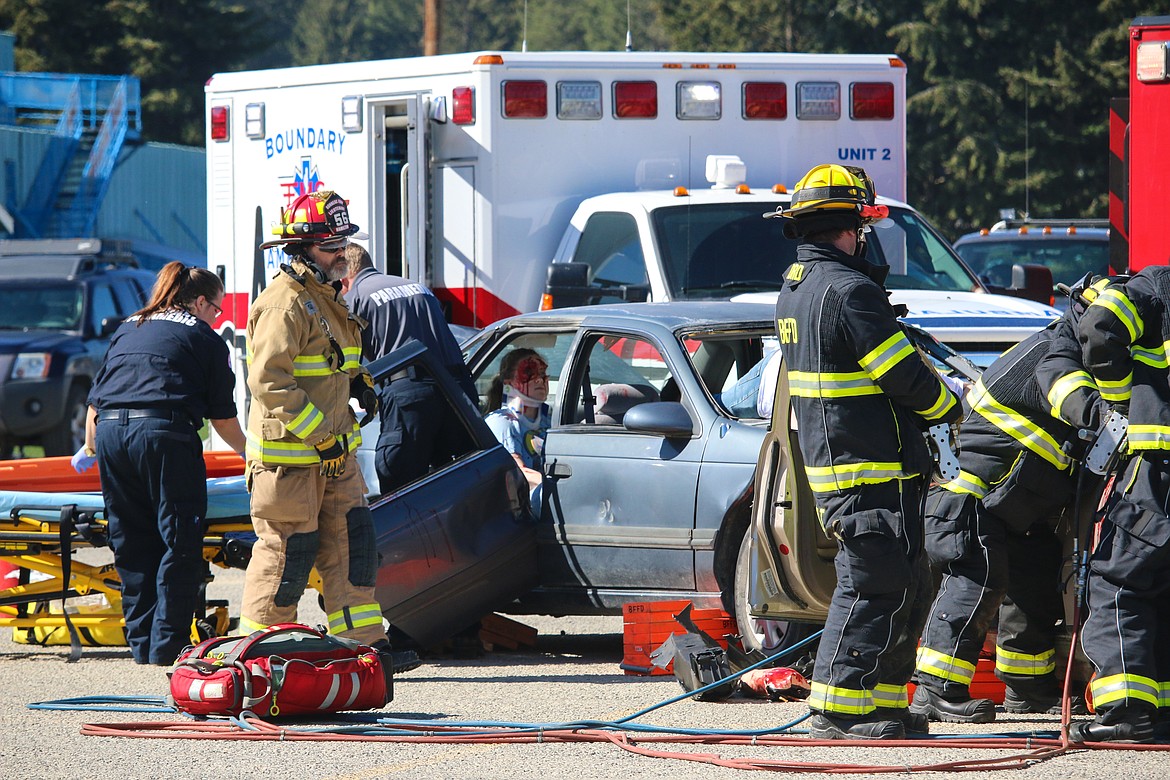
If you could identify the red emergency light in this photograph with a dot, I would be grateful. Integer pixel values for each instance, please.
(219, 123)
(525, 99)
(463, 105)
(765, 100)
(635, 99)
(872, 100)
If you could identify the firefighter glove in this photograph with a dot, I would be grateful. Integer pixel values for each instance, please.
(332, 456)
(361, 388)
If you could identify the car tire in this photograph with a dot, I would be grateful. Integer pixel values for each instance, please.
(69, 435)
(763, 634)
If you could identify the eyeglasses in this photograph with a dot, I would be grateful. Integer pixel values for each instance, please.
(333, 249)
(218, 308)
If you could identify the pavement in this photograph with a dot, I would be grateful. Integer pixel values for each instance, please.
(572, 674)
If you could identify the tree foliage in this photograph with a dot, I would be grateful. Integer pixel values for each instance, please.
(1007, 102)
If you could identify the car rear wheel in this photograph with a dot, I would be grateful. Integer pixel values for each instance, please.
(69, 435)
(763, 634)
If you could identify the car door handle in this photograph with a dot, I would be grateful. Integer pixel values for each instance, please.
(556, 470)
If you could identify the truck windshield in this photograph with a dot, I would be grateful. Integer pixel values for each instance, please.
(719, 249)
(40, 307)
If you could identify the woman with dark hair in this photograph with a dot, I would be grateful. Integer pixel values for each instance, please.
(520, 417)
(165, 372)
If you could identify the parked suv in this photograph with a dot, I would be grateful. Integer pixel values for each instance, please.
(60, 301)
(1070, 248)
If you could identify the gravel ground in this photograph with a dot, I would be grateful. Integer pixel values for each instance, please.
(572, 674)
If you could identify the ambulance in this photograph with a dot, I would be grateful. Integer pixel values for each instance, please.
(466, 169)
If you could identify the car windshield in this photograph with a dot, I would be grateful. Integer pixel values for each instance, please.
(40, 307)
(1068, 258)
(720, 249)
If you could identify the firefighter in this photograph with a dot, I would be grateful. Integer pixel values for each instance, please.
(1123, 335)
(308, 496)
(862, 396)
(991, 532)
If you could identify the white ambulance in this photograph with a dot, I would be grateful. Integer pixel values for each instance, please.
(466, 169)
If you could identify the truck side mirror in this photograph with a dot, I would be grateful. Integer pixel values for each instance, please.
(567, 285)
(1033, 282)
(109, 325)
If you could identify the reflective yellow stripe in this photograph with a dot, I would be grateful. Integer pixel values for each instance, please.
(1024, 663)
(945, 666)
(891, 696)
(968, 483)
(1154, 357)
(825, 479)
(1115, 301)
(1116, 390)
(1118, 687)
(1163, 694)
(944, 404)
(887, 355)
(1148, 437)
(847, 701)
(1019, 428)
(809, 384)
(306, 422)
(251, 625)
(315, 365)
(291, 453)
(353, 358)
(1062, 388)
(359, 616)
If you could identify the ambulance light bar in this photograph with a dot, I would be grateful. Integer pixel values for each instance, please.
(699, 100)
(351, 113)
(818, 100)
(635, 99)
(525, 99)
(871, 100)
(219, 123)
(578, 100)
(254, 120)
(765, 100)
(463, 105)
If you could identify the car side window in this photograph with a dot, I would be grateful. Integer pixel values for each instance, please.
(552, 347)
(128, 296)
(623, 371)
(101, 306)
(610, 246)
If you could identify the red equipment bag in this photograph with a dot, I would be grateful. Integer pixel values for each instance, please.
(286, 669)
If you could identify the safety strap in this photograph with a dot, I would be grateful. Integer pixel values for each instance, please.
(65, 536)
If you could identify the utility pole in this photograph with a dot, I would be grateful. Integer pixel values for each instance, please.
(432, 26)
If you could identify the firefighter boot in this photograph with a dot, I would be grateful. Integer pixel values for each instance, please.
(952, 710)
(1117, 724)
(822, 725)
(1038, 695)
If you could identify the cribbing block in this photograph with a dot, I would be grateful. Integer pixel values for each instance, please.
(502, 631)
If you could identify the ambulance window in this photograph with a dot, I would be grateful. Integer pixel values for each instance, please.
(610, 246)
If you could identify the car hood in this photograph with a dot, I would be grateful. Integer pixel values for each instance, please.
(961, 316)
(13, 341)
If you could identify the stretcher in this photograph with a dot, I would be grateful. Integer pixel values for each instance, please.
(48, 513)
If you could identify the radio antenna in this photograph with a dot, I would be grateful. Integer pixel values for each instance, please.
(524, 42)
(1027, 156)
(629, 35)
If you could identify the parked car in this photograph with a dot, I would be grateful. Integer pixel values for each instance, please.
(1070, 248)
(60, 301)
(649, 475)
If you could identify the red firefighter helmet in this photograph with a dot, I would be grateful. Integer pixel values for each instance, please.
(314, 217)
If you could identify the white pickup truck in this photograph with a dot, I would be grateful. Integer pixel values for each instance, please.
(714, 244)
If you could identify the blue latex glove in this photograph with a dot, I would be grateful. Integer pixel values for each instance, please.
(82, 462)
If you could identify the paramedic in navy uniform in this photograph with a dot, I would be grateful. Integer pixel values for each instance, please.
(165, 372)
(417, 430)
